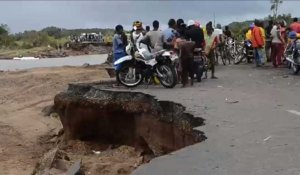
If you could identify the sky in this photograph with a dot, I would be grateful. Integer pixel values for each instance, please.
(35, 15)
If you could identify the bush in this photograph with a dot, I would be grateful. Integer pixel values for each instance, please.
(26, 46)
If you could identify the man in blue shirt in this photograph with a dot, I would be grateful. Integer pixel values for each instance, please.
(119, 43)
(169, 35)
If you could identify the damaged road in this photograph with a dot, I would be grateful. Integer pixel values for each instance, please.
(257, 133)
(93, 117)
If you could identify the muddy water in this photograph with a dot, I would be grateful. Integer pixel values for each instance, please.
(12, 65)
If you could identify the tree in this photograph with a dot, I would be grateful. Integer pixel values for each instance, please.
(4, 29)
(53, 31)
(274, 7)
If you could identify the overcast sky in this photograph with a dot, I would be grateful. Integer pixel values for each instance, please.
(28, 15)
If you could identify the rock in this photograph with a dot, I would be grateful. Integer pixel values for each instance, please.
(85, 65)
(45, 163)
(60, 164)
(54, 115)
(126, 118)
(75, 169)
(47, 110)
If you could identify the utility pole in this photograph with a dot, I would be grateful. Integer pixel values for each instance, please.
(214, 20)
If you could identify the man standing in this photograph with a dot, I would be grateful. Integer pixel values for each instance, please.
(119, 43)
(210, 45)
(258, 44)
(295, 26)
(268, 40)
(277, 44)
(154, 37)
(195, 34)
(227, 32)
(169, 35)
(186, 58)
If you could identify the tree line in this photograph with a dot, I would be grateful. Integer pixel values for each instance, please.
(52, 36)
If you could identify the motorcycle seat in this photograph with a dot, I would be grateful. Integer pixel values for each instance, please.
(198, 50)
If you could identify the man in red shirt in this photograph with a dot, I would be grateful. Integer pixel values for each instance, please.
(257, 43)
(295, 26)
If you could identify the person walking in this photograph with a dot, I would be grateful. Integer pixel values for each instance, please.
(210, 45)
(119, 43)
(277, 44)
(257, 43)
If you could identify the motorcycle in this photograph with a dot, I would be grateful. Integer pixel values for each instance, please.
(292, 55)
(200, 64)
(246, 51)
(134, 68)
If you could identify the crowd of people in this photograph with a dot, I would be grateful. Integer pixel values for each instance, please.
(183, 38)
(270, 42)
(180, 37)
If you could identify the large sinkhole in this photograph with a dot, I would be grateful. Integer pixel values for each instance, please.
(89, 113)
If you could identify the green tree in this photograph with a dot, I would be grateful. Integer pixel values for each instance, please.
(53, 31)
(274, 7)
(4, 29)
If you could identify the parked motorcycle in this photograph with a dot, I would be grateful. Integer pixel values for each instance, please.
(244, 52)
(200, 64)
(134, 68)
(292, 55)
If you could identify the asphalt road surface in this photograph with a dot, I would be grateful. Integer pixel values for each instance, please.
(252, 124)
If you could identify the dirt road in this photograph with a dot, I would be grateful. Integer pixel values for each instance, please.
(23, 96)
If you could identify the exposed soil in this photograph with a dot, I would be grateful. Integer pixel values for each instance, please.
(113, 132)
(25, 133)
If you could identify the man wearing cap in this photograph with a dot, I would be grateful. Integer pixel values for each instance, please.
(195, 34)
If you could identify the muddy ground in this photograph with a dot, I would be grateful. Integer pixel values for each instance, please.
(23, 127)
(45, 52)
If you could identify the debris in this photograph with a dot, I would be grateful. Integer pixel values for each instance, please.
(96, 152)
(285, 76)
(268, 138)
(294, 112)
(250, 75)
(220, 86)
(231, 101)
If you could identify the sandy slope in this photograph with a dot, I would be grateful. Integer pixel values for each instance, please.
(23, 95)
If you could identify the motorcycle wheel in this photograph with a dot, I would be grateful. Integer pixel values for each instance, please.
(199, 74)
(129, 76)
(295, 68)
(169, 75)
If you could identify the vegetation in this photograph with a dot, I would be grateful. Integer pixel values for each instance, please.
(274, 7)
(50, 36)
(239, 28)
